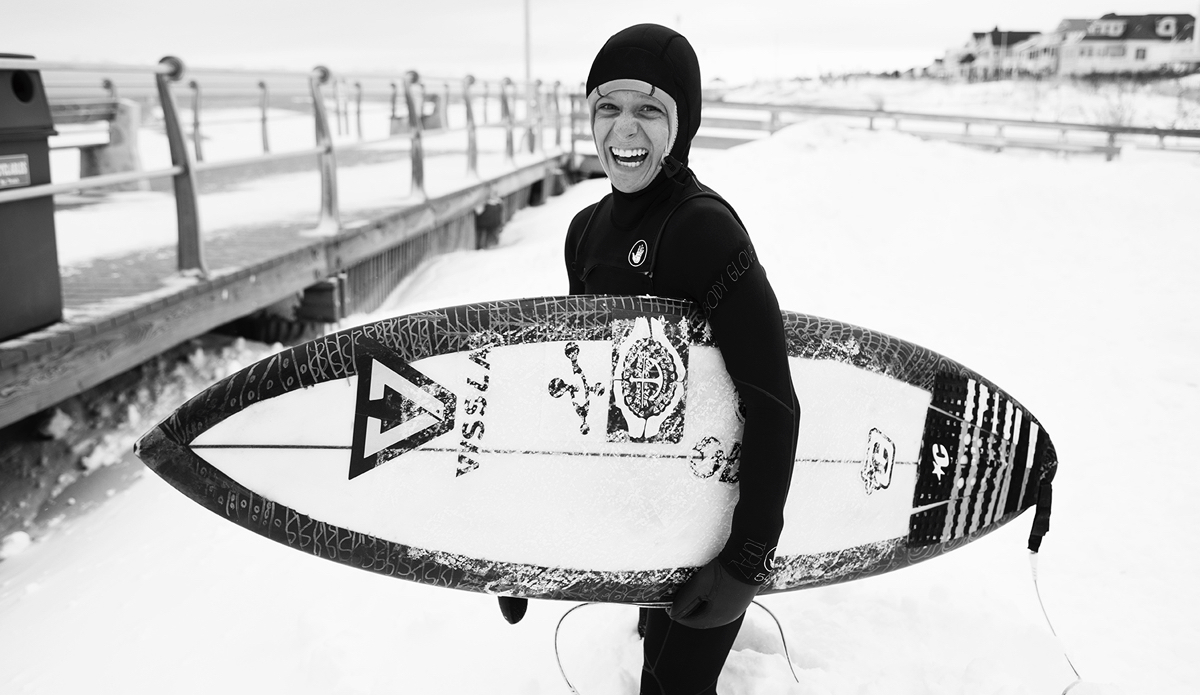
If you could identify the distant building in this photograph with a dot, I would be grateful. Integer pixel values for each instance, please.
(936, 69)
(988, 55)
(1134, 44)
(1041, 55)
(1112, 44)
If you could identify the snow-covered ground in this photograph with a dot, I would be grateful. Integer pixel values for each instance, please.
(1071, 282)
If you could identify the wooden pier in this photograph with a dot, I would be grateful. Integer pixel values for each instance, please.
(120, 312)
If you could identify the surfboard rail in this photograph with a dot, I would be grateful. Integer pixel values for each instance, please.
(978, 460)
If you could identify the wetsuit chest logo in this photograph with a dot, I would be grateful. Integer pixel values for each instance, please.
(637, 254)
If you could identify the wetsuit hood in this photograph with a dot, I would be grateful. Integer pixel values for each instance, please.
(660, 62)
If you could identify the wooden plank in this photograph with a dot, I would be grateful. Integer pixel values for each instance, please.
(392, 230)
(994, 142)
(82, 111)
(717, 142)
(735, 123)
(92, 137)
(42, 368)
(70, 367)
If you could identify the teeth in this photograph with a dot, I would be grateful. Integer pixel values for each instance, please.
(630, 153)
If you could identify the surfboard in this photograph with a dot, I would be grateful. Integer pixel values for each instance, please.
(587, 448)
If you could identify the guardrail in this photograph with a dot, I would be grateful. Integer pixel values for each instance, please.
(1000, 124)
(774, 121)
(79, 105)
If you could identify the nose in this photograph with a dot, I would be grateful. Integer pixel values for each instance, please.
(626, 126)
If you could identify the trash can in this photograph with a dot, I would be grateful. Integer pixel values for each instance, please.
(30, 289)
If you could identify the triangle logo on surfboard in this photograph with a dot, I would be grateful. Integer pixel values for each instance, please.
(397, 408)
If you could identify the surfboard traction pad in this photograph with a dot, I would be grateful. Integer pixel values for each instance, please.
(1001, 452)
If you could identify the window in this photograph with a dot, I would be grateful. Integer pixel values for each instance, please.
(1116, 51)
(1100, 27)
(1140, 54)
(1166, 27)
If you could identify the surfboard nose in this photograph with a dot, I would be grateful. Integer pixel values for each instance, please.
(148, 448)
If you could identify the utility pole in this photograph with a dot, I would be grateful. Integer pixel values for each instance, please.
(528, 71)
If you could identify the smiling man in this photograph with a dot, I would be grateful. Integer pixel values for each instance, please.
(632, 127)
(662, 232)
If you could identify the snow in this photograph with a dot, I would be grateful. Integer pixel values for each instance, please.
(1069, 281)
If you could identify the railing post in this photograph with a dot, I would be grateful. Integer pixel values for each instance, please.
(264, 102)
(486, 88)
(109, 87)
(536, 121)
(575, 118)
(415, 112)
(330, 216)
(472, 143)
(557, 116)
(506, 115)
(358, 108)
(394, 94)
(337, 105)
(190, 249)
(345, 107)
(196, 120)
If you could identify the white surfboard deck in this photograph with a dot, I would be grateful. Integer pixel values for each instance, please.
(599, 466)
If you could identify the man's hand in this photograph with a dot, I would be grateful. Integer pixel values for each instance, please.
(711, 598)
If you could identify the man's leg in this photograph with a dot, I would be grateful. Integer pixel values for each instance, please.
(680, 660)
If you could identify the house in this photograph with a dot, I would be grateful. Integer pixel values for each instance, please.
(1117, 44)
(1036, 56)
(988, 55)
(1040, 55)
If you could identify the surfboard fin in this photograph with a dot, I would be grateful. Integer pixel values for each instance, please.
(513, 608)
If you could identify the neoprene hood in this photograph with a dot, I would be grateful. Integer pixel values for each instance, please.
(660, 62)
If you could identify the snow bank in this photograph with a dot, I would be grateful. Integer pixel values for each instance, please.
(1069, 281)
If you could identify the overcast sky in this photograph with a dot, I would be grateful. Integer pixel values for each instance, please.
(735, 39)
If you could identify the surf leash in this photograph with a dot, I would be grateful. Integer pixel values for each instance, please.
(1041, 525)
(782, 638)
(1033, 567)
(558, 657)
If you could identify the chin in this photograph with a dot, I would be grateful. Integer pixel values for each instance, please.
(631, 182)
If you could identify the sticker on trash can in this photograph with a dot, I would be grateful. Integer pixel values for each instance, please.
(14, 171)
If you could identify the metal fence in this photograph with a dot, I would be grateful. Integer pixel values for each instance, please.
(90, 92)
(997, 138)
(771, 117)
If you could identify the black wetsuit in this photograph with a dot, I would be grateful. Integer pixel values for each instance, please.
(703, 254)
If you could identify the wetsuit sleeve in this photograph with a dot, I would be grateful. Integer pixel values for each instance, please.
(713, 262)
(571, 248)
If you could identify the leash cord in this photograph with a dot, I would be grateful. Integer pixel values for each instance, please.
(782, 638)
(1033, 563)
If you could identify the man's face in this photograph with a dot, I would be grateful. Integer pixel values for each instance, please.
(631, 130)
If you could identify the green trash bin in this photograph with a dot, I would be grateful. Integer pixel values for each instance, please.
(30, 288)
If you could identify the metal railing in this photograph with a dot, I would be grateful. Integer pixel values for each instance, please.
(999, 124)
(80, 106)
(775, 121)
